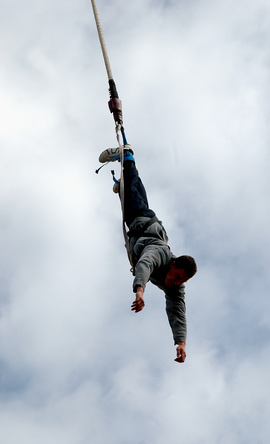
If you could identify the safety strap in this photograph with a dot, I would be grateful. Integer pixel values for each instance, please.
(122, 196)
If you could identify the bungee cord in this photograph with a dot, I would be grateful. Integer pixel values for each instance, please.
(115, 106)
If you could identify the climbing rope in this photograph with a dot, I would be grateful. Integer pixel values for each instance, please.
(115, 106)
(102, 41)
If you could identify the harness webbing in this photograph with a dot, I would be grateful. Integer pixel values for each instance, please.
(122, 196)
(115, 106)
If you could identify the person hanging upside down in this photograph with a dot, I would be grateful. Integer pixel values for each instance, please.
(151, 256)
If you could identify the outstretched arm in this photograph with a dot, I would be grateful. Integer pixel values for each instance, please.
(175, 308)
(138, 304)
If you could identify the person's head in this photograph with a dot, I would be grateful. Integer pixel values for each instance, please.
(181, 270)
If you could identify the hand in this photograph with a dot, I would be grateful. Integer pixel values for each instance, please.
(181, 352)
(138, 304)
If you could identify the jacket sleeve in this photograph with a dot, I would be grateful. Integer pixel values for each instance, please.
(152, 258)
(176, 312)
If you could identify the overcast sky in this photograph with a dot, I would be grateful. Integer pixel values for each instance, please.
(76, 365)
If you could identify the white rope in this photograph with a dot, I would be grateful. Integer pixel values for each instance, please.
(102, 41)
(122, 193)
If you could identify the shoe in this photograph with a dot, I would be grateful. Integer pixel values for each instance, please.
(112, 154)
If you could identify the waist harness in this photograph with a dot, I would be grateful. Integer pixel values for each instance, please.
(140, 232)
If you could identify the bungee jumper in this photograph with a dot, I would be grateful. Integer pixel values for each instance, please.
(151, 256)
(146, 241)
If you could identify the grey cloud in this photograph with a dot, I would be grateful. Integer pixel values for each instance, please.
(76, 364)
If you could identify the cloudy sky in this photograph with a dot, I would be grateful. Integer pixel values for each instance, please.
(76, 365)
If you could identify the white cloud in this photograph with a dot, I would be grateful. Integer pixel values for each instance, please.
(76, 364)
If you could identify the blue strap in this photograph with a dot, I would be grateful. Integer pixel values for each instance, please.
(111, 160)
(114, 178)
(124, 136)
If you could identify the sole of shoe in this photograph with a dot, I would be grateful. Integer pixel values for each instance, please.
(108, 154)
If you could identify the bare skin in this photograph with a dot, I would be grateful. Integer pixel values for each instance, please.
(181, 352)
(138, 304)
(175, 276)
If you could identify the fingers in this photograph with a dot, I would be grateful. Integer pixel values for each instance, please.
(137, 305)
(179, 359)
(136, 308)
(180, 353)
